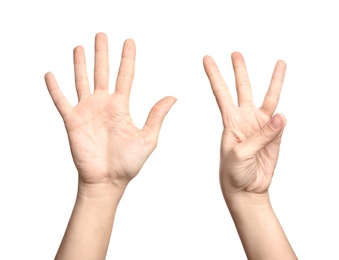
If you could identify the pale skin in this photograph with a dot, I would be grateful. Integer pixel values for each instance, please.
(248, 156)
(107, 148)
(109, 151)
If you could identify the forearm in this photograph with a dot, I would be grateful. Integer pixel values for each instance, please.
(258, 227)
(89, 229)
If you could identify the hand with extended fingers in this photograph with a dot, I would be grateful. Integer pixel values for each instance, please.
(251, 137)
(107, 149)
(105, 144)
(249, 152)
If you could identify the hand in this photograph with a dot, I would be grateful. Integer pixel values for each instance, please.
(251, 137)
(105, 144)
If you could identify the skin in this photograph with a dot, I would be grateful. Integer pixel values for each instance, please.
(249, 153)
(107, 149)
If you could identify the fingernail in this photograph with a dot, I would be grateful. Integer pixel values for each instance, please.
(276, 121)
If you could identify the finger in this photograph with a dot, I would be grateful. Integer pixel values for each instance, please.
(61, 103)
(101, 66)
(270, 132)
(273, 93)
(219, 87)
(244, 91)
(156, 117)
(80, 73)
(126, 70)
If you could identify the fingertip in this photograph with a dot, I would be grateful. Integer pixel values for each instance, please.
(237, 59)
(129, 49)
(129, 42)
(158, 114)
(171, 99)
(101, 42)
(48, 76)
(166, 103)
(78, 49)
(101, 35)
(79, 55)
(278, 121)
(281, 64)
(208, 62)
(206, 58)
(50, 81)
(236, 54)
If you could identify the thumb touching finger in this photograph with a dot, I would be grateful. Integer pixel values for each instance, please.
(267, 134)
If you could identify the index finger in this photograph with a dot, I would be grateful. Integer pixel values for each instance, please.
(219, 87)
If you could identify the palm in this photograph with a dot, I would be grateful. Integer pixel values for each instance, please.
(253, 173)
(104, 140)
(105, 144)
(246, 169)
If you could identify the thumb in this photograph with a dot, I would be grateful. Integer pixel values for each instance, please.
(266, 135)
(156, 116)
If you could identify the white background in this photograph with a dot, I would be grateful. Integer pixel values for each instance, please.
(174, 208)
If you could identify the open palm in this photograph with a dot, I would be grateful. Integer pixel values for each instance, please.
(105, 144)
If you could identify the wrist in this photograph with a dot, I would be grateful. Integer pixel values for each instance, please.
(100, 191)
(242, 200)
(249, 208)
(89, 229)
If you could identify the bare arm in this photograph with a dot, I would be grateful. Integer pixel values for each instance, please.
(249, 152)
(107, 149)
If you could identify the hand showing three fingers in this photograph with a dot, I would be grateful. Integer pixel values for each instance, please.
(251, 137)
(105, 145)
